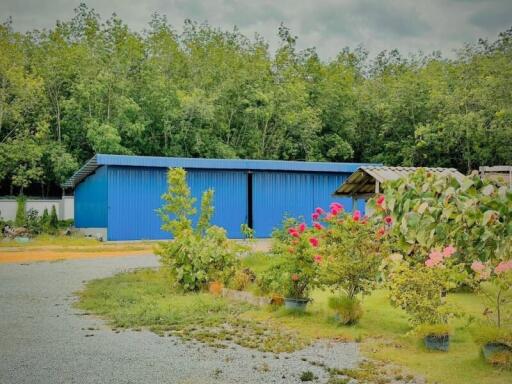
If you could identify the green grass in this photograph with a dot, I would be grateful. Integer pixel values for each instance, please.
(259, 262)
(50, 240)
(146, 299)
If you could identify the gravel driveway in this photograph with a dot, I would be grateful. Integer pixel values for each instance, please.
(43, 339)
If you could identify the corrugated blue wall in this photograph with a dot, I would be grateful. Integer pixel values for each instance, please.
(91, 201)
(276, 194)
(125, 199)
(135, 195)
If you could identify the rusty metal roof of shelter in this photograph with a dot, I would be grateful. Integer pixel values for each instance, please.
(363, 181)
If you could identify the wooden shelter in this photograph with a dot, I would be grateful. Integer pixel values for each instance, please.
(367, 180)
(501, 174)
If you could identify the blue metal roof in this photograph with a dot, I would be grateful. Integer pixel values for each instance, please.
(238, 164)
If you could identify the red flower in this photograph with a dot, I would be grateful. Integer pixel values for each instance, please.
(380, 200)
(338, 206)
(335, 210)
(302, 227)
(320, 211)
(295, 277)
(315, 216)
(318, 259)
(381, 232)
(356, 216)
(388, 220)
(293, 232)
(318, 226)
(313, 241)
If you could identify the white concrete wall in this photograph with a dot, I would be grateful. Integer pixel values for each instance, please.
(65, 207)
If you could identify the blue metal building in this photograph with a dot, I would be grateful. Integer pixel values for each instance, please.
(120, 194)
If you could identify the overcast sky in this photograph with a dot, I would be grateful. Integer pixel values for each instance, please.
(328, 25)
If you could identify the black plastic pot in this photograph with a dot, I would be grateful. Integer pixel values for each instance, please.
(489, 349)
(296, 304)
(437, 342)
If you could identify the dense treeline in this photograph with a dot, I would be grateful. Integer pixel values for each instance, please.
(89, 86)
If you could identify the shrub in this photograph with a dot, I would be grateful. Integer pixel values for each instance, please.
(197, 255)
(247, 232)
(348, 310)
(21, 211)
(53, 222)
(272, 281)
(421, 289)
(351, 251)
(241, 280)
(281, 239)
(45, 220)
(491, 334)
(424, 330)
(307, 376)
(298, 271)
(427, 209)
(495, 285)
(33, 222)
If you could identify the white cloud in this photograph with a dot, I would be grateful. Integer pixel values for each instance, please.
(329, 25)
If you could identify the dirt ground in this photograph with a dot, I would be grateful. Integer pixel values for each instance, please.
(28, 254)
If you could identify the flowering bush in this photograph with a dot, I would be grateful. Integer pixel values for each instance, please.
(297, 274)
(197, 255)
(351, 251)
(426, 209)
(495, 284)
(421, 289)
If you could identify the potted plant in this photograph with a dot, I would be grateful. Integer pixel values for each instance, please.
(495, 285)
(351, 252)
(348, 310)
(435, 336)
(421, 291)
(297, 295)
(496, 344)
(298, 272)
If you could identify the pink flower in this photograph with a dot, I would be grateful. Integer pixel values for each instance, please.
(335, 210)
(388, 220)
(477, 266)
(484, 275)
(449, 251)
(318, 226)
(337, 206)
(436, 255)
(504, 266)
(434, 259)
(430, 263)
(356, 216)
(295, 277)
(315, 216)
(320, 211)
(380, 200)
(318, 259)
(293, 232)
(313, 241)
(302, 227)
